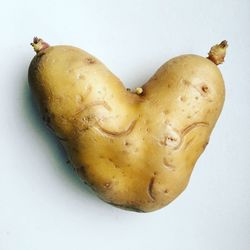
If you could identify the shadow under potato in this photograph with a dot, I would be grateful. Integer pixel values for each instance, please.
(31, 111)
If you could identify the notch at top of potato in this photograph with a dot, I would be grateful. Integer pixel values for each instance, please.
(136, 149)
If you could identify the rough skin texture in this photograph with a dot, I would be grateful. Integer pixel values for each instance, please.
(137, 151)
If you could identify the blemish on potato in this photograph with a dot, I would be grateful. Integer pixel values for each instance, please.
(107, 185)
(185, 82)
(204, 88)
(192, 126)
(117, 133)
(127, 143)
(166, 111)
(90, 60)
(80, 77)
(168, 165)
(58, 99)
(174, 139)
(79, 98)
(93, 104)
(171, 139)
(183, 98)
(150, 188)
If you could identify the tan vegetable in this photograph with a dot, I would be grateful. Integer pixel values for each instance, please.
(136, 149)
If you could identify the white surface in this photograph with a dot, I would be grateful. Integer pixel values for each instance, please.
(43, 205)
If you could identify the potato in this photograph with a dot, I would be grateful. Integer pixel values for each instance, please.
(136, 149)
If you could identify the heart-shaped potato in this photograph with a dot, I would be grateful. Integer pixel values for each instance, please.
(136, 150)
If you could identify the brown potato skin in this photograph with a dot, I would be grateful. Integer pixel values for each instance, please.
(136, 151)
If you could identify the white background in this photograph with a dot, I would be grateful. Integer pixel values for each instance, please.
(43, 205)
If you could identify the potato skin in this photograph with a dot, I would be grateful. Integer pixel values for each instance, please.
(136, 151)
